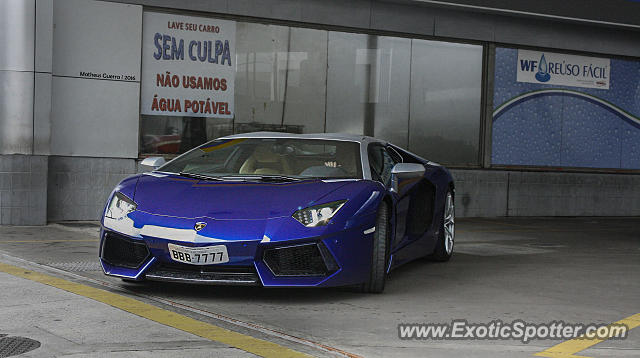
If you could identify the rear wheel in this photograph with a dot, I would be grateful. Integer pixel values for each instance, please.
(446, 233)
(380, 253)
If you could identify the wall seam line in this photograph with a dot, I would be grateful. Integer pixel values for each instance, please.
(33, 102)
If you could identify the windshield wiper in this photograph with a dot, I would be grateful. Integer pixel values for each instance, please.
(266, 178)
(277, 178)
(199, 176)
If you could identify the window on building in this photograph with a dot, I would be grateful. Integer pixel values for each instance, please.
(421, 95)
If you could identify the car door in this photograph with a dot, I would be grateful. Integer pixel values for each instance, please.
(416, 238)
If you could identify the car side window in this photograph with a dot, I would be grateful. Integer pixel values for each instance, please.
(381, 164)
(397, 158)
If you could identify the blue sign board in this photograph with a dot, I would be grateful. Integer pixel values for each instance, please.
(538, 122)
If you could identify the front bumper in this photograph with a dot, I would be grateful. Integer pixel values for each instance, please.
(336, 259)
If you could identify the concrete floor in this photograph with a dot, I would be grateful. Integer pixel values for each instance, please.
(580, 270)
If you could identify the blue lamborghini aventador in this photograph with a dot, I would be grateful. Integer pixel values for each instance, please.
(278, 209)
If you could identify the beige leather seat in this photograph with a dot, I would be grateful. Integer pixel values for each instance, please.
(346, 159)
(264, 161)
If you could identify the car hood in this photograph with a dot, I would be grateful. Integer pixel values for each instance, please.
(191, 198)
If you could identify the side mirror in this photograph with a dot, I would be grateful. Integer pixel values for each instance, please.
(405, 174)
(154, 162)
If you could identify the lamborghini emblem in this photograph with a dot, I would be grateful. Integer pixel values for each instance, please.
(200, 225)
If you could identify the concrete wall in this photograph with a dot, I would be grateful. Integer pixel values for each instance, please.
(23, 189)
(480, 193)
(485, 193)
(79, 186)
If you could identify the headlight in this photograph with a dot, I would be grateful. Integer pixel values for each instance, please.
(318, 215)
(120, 206)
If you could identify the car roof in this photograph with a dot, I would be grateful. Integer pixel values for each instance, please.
(320, 136)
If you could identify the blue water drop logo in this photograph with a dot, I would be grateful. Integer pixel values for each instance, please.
(543, 75)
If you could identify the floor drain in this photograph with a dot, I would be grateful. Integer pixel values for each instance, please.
(12, 346)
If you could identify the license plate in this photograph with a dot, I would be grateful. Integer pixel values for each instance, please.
(204, 255)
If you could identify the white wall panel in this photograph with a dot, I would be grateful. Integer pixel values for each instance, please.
(96, 36)
(42, 114)
(16, 112)
(94, 118)
(44, 35)
(17, 19)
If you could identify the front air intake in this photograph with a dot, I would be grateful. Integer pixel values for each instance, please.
(206, 274)
(312, 259)
(118, 250)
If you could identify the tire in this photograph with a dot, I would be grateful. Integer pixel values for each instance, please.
(379, 254)
(446, 232)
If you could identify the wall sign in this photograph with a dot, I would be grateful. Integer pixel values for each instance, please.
(188, 66)
(562, 69)
(535, 124)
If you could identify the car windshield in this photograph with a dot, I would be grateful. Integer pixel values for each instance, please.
(279, 158)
